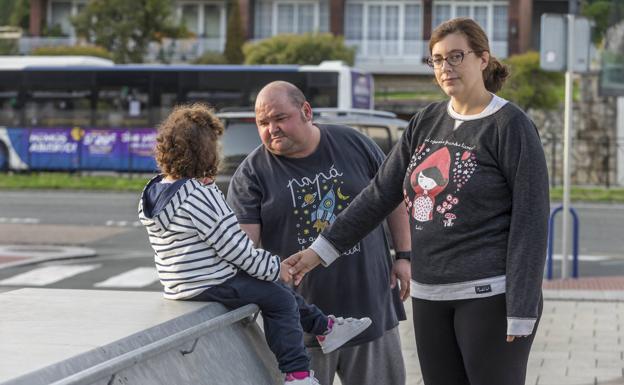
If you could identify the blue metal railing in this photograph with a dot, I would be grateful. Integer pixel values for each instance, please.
(575, 242)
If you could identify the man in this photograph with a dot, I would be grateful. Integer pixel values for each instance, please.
(287, 191)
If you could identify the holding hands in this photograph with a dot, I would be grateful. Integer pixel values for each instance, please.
(298, 264)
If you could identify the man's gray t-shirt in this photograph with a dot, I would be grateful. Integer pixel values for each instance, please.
(294, 199)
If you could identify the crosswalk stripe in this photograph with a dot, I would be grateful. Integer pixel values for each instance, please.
(139, 277)
(47, 275)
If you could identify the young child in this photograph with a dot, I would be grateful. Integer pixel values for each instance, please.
(201, 253)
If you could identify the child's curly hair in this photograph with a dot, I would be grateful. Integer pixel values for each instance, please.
(187, 145)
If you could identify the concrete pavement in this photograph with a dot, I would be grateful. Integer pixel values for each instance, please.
(580, 340)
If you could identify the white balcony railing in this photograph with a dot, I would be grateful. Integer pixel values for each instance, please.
(401, 56)
(28, 44)
(374, 55)
(171, 50)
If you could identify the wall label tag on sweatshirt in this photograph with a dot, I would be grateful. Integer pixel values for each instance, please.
(483, 289)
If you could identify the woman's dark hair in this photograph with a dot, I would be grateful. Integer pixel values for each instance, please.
(435, 174)
(187, 145)
(495, 74)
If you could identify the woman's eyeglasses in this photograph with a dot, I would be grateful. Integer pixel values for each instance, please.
(455, 58)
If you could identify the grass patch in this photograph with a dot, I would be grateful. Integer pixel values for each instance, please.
(590, 194)
(422, 95)
(66, 181)
(126, 182)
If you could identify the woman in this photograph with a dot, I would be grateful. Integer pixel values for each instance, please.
(478, 259)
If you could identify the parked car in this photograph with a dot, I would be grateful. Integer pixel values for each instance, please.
(241, 134)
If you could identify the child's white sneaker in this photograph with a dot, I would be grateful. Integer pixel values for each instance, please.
(310, 380)
(342, 331)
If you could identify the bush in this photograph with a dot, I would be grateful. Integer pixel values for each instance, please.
(211, 58)
(71, 50)
(529, 86)
(8, 47)
(298, 49)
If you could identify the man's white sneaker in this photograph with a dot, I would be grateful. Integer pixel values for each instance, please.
(343, 330)
(310, 380)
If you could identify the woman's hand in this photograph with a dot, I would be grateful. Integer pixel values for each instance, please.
(512, 338)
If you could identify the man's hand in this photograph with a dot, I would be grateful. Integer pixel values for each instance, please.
(403, 271)
(285, 276)
(300, 263)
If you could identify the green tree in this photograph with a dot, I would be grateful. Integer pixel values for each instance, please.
(7, 8)
(20, 14)
(234, 39)
(601, 12)
(126, 28)
(529, 86)
(298, 49)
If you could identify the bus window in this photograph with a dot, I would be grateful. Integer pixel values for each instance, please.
(164, 95)
(262, 78)
(57, 99)
(218, 89)
(9, 102)
(321, 89)
(122, 99)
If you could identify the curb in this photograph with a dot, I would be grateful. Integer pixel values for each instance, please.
(584, 295)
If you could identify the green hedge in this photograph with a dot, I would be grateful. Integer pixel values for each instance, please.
(73, 50)
(529, 86)
(298, 49)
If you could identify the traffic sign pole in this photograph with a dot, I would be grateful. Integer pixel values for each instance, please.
(567, 128)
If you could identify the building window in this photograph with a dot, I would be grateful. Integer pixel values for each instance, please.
(353, 22)
(289, 16)
(206, 20)
(190, 18)
(441, 13)
(300, 17)
(212, 21)
(60, 13)
(263, 19)
(500, 23)
(495, 26)
(380, 28)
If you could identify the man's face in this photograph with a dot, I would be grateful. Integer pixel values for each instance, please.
(282, 126)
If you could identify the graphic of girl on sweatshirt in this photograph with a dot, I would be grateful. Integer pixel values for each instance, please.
(428, 180)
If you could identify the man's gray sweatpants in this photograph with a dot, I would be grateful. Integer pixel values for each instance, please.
(379, 362)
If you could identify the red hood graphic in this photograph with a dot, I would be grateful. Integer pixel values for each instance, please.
(441, 159)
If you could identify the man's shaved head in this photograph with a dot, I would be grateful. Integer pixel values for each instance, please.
(294, 94)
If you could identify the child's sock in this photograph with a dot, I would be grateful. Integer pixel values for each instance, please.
(297, 375)
(330, 324)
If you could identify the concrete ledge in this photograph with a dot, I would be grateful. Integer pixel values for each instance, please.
(49, 335)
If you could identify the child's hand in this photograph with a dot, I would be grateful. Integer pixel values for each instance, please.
(284, 274)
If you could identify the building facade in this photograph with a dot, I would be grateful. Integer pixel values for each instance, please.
(390, 35)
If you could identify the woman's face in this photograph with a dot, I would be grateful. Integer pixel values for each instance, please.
(461, 79)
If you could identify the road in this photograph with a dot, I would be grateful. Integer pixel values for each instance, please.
(107, 222)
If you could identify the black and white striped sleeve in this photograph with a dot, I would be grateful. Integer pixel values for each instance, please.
(217, 224)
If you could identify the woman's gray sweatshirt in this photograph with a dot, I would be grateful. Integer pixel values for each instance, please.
(478, 201)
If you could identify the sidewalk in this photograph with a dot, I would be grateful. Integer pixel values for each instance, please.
(580, 340)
